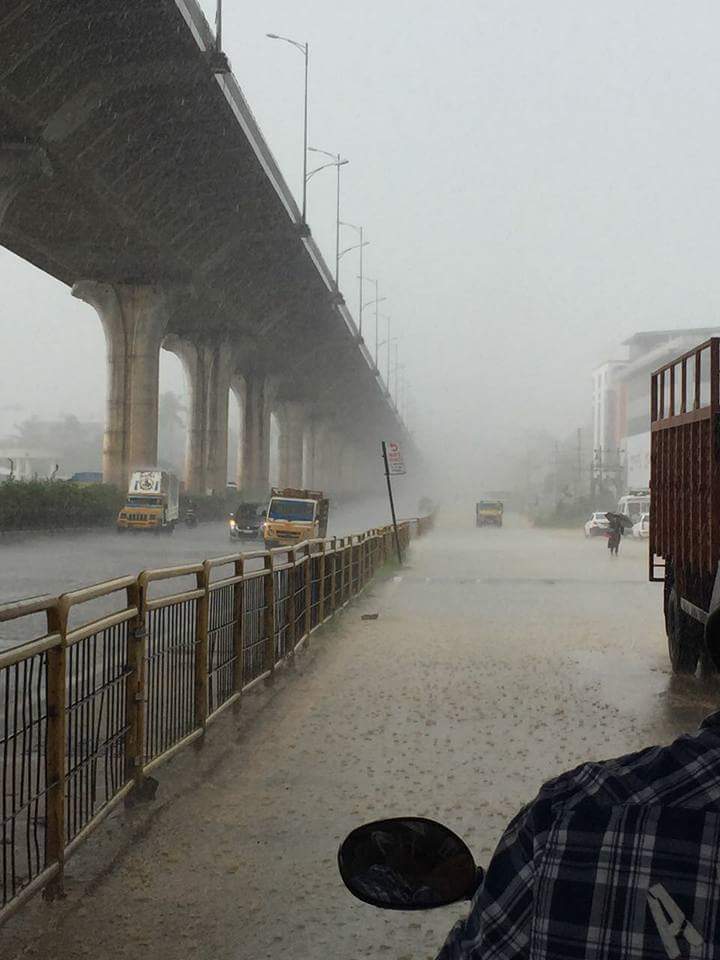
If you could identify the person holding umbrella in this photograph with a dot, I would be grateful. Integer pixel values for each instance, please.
(618, 522)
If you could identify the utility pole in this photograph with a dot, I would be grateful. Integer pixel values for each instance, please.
(579, 461)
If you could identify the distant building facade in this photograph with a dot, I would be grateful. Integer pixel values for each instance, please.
(621, 402)
(608, 421)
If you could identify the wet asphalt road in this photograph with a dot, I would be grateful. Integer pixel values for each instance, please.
(499, 659)
(34, 564)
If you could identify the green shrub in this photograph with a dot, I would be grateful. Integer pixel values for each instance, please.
(57, 504)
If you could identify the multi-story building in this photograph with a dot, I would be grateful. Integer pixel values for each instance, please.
(608, 422)
(621, 402)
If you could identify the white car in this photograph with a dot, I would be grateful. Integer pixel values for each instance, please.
(641, 529)
(597, 524)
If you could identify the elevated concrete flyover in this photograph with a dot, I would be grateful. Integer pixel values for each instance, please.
(132, 169)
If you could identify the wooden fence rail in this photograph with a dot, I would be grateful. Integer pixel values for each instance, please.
(89, 708)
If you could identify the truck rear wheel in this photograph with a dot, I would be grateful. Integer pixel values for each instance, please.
(684, 635)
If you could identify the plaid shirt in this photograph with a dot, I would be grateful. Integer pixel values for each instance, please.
(612, 861)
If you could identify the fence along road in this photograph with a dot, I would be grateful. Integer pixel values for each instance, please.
(87, 710)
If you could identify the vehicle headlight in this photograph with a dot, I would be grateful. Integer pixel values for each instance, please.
(232, 524)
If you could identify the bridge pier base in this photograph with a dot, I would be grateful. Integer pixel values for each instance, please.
(290, 415)
(255, 449)
(193, 360)
(219, 371)
(134, 320)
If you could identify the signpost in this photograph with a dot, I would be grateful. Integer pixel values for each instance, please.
(394, 467)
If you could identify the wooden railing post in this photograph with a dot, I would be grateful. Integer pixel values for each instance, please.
(343, 570)
(307, 621)
(202, 614)
(291, 615)
(55, 754)
(135, 696)
(353, 560)
(333, 578)
(269, 592)
(672, 411)
(238, 630)
(321, 596)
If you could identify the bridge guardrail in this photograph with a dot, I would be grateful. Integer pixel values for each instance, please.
(88, 709)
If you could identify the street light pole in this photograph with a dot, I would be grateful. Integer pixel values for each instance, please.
(377, 301)
(390, 340)
(304, 48)
(362, 244)
(337, 228)
(337, 162)
(305, 135)
(396, 371)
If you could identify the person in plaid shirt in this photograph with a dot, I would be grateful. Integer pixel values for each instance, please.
(612, 861)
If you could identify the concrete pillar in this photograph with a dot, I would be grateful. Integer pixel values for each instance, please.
(134, 319)
(332, 455)
(255, 462)
(193, 359)
(345, 471)
(219, 369)
(313, 467)
(237, 388)
(291, 418)
(207, 368)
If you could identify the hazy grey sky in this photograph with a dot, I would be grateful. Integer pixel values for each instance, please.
(538, 180)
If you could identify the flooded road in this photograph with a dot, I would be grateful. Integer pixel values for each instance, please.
(35, 563)
(499, 659)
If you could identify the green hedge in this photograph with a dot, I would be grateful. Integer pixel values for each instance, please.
(56, 504)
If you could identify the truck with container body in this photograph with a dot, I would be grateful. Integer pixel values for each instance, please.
(684, 527)
(153, 502)
(295, 515)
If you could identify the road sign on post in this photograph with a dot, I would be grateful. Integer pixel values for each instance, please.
(394, 467)
(394, 459)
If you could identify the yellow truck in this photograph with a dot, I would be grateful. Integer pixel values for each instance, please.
(152, 502)
(293, 516)
(489, 513)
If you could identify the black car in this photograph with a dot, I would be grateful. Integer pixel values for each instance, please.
(246, 521)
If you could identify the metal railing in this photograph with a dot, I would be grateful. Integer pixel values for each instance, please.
(88, 709)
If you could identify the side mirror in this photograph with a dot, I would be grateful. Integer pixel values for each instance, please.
(264, 514)
(407, 863)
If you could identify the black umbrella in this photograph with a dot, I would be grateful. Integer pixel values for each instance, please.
(620, 519)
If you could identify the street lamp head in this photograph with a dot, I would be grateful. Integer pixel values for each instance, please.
(273, 36)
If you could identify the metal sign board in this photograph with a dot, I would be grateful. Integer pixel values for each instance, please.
(395, 462)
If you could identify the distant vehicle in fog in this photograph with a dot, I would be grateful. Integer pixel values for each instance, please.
(295, 515)
(597, 525)
(489, 513)
(641, 529)
(634, 504)
(247, 520)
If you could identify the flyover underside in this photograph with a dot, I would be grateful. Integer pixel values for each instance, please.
(126, 161)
